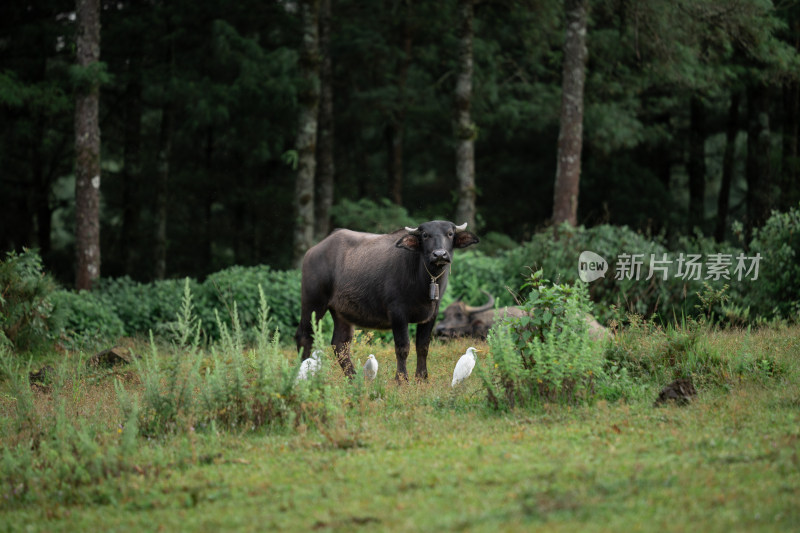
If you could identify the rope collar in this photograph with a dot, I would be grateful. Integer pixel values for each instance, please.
(433, 288)
(434, 278)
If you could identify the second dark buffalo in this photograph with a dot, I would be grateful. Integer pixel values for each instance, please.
(379, 282)
(462, 320)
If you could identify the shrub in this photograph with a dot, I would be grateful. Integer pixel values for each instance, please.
(49, 454)
(240, 285)
(657, 354)
(777, 290)
(558, 256)
(547, 355)
(233, 386)
(86, 317)
(143, 307)
(367, 215)
(473, 272)
(25, 308)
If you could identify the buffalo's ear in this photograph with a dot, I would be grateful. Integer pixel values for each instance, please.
(464, 239)
(409, 242)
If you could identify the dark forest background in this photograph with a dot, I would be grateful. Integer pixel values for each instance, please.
(691, 122)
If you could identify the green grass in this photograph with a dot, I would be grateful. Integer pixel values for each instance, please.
(422, 457)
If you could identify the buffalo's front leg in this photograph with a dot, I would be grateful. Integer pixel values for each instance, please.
(423, 341)
(402, 346)
(342, 336)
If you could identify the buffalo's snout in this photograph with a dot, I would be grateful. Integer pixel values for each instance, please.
(440, 257)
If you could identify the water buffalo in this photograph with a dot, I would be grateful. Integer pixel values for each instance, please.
(379, 282)
(462, 320)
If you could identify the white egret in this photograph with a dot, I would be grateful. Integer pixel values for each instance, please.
(464, 366)
(371, 367)
(310, 366)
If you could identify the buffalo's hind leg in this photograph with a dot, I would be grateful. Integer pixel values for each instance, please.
(342, 337)
(304, 337)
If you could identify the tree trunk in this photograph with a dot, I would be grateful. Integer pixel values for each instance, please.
(326, 166)
(307, 133)
(162, 175)
(758, 171)
(570, 137)
(723, 202)
(466, 130)
(697, 164)
(87, 149)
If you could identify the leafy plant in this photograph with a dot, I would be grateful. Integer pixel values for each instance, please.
(547, 354)
(776, 292)
(232, 385)
(85, 318)
(25, 308)
(364, 214)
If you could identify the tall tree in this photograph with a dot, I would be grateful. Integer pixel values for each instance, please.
(87, 145)
(306, 132)
(570, 137)
(697, 163)
(465, 129)
(326, 167)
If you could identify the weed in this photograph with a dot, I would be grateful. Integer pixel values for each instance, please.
(547, 354)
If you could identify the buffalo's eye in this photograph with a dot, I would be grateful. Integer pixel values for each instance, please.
(425, 235)
(450, 234)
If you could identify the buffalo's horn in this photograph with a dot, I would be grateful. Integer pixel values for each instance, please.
(462, 227)
(412, 230)
(484, 307)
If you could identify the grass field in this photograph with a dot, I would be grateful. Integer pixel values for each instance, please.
(423, 457)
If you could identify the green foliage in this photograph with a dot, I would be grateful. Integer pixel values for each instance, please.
(712, 300)
(547, 355)
(658, 354)
(234, 387)
(122, 306)
(54, 456)
(240, 285)
(86, 318)
(19, 388)
(144, 306)
(86, 78)
(25, 309)
(472, 272)
(125, 307)
(556, 254)
(776, 292)
(367, 215)
(168, 395)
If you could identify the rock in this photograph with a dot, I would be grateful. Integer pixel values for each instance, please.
(112, 356)
(681, 391)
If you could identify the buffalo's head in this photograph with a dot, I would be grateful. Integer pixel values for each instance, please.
(436, 240)
(462, 320)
